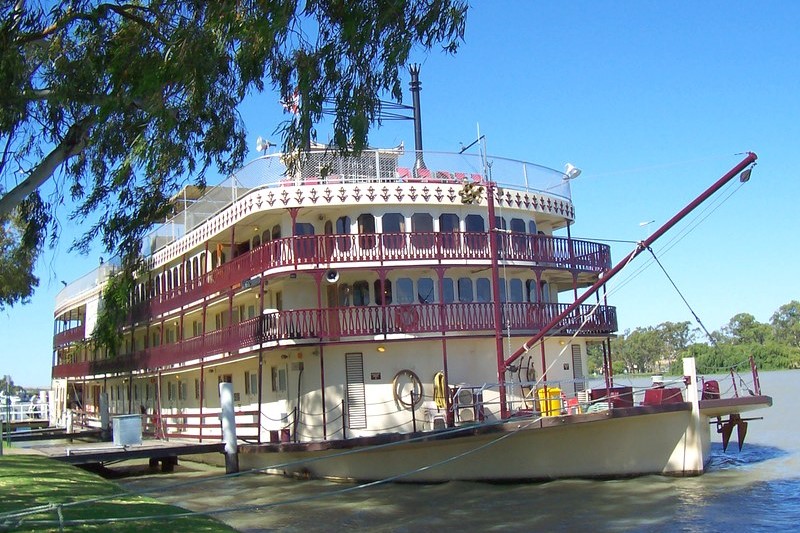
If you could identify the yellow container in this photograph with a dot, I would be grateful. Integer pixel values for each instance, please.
(549, 401)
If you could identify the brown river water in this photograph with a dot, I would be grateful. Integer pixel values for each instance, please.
(757, 489)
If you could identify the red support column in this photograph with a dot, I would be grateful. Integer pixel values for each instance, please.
(498, 326)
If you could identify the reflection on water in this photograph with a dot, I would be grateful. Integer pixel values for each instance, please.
(754, 490)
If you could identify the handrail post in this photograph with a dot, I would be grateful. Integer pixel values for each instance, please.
(756, 380)
(733, 380)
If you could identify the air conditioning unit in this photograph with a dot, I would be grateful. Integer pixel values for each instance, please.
(465, 405)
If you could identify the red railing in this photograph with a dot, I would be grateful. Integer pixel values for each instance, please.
(327, 250)
(331, 325)
(71, 335)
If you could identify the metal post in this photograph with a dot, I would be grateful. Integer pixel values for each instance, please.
(228, 420)
(498, 333)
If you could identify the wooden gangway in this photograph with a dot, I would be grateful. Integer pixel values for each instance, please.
(165, 452)
(51, 433)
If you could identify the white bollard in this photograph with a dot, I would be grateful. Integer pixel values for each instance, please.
(105, 425)
(228, 419)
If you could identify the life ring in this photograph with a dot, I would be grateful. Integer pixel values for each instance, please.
(407, 318)
(401, 380)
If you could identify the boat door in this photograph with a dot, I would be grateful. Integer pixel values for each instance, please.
(333, 311)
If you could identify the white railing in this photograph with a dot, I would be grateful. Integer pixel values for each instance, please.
(328, 168)
(87, 282)
(23, 411)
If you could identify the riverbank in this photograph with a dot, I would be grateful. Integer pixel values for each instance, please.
(83, 501)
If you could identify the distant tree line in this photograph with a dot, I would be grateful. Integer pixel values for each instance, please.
(7, 386)
(774, 345)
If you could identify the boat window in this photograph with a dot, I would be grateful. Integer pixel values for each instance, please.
(519, 241)
(448, 291)
(422, 228)
(256, 241)
(483, 290)
(532, 290)
(361, 293)
(448, 228)
(515, 292)
(343, 225)
(475, 223)
(276, 232)
(265, 236)
(305, 248)
(241, 248)
(425, 294)
(344, 295)
(405, 291)
(532, 227)
(502, 286)
(304, 228)
(464, 290)
(278, 379)
(546, 292)
(517, 225)
(366, 228)
(394, 224)
(343, 244)
(475, 237)
(383, 296)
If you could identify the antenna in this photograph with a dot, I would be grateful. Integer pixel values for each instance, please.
(262, 145)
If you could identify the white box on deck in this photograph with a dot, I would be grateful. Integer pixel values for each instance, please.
(127, 430)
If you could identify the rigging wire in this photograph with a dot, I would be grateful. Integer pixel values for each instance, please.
(697, 318)
(683, 233)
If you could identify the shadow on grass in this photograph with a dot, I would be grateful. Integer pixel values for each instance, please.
(28, 481)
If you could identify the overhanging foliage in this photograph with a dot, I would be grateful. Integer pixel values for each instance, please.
(124, 102)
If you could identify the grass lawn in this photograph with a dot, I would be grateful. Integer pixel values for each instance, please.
(28, 481)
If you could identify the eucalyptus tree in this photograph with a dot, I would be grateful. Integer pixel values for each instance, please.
(122, 102)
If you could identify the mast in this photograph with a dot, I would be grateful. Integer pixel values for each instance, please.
(640, 247)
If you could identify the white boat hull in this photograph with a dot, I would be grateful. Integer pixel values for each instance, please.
(617, 443)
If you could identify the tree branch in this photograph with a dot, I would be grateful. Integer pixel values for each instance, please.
(72, 144)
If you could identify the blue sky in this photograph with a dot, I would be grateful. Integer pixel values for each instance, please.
(652, 100)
